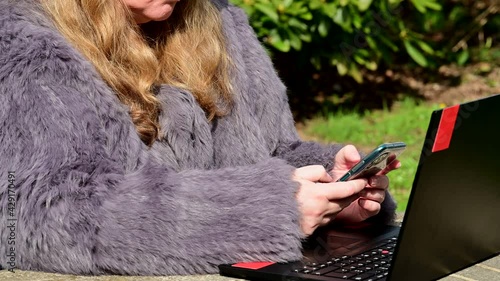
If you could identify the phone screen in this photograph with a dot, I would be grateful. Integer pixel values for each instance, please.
(375, 161)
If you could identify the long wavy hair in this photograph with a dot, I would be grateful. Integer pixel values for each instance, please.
(187, 51)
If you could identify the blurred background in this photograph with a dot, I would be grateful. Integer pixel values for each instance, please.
(367, 72)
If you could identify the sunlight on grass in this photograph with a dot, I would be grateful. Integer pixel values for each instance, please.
(406, 122)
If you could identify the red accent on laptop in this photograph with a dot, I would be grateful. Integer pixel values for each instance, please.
(253, 265)
(445, 129)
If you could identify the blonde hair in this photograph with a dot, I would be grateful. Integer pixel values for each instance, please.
(187, 51)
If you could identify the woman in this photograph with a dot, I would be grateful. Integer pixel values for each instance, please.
(152, 137)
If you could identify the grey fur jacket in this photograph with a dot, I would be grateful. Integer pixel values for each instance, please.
(80, 193)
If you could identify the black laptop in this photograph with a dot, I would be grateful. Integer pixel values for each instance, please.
(452, 220)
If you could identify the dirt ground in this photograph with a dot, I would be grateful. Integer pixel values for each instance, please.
(455, 84)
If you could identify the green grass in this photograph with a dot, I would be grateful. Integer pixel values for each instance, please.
(406, 122)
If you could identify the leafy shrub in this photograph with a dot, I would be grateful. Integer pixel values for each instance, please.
(455, 27)
(363, 34)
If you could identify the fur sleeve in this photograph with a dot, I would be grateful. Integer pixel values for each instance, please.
(91, 200)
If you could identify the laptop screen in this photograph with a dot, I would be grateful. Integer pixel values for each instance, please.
(453, 218)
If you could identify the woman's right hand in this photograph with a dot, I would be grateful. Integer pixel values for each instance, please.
(320, 199)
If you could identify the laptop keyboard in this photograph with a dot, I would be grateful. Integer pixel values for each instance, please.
(368, 266)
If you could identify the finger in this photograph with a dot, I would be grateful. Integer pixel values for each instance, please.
(396, 164)
(379, 182)
(347, 157)
(369, 207)
(376, 195)
(336, 206)
(342, 190)
(313, 173)
(326, 220)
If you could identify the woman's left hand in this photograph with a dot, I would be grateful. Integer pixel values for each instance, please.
(370, 199)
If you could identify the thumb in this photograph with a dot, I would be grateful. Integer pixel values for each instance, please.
(347, 157)
(314, 173)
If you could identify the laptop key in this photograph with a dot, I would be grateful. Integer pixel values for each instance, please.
(325, 270)
(373, 278)
(346, 275)
(363, 276)
(343, 270)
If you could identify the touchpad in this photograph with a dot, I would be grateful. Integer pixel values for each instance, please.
(336, 241)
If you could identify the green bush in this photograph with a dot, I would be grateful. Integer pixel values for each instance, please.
(455, 27)
(363, 34)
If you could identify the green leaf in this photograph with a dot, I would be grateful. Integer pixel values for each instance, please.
(274, 2)
(287, 3)
(415, 54)
(283, 46)
(419, 6)
(301, 9)
(433, 5)
(395, 2)
(363, 5)
(371, 65)
(306, 37)
(342, 18)
(298, 24)
(388, 43)
(357, 21)
(307, 16)
(278, 42)
(359, 59)
(363, 52)
(322, 29)
(355, 73)
(330, 9)
(295, 41)
(422, 5)
(268, 11)
(488, 43)
(425, 47)
(315, 4)
(462, 58)
(371, 43)
(341, 68)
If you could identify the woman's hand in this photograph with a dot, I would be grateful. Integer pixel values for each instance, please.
(370, 198)
(320, 199)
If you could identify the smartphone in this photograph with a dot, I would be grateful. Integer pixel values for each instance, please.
(375, 161)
